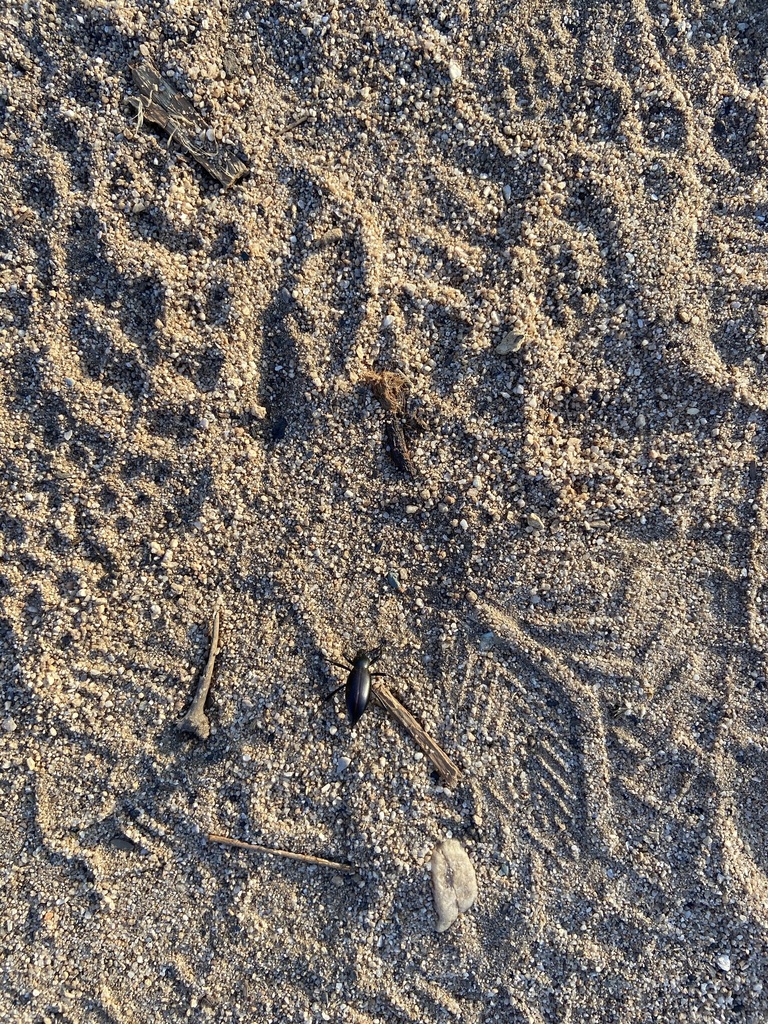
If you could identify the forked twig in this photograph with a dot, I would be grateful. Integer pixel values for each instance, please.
(448, 770)
(305, 858)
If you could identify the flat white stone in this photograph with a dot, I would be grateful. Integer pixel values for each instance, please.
(453, 881)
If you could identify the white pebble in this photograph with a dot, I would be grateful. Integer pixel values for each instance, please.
(343, 763)
(387, 322)
(507, 191)
(454, 71)
(723, 962)
(9, 725)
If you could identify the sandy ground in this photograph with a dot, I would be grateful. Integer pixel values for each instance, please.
(551, 217)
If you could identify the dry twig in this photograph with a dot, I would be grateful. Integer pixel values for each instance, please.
(305, 858)
(448, 770)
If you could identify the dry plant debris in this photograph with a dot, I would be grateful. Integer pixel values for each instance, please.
(391, 388)
(165, 106)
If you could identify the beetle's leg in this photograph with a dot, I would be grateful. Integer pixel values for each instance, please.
(335, 691)
(375, 654)
(337, 664)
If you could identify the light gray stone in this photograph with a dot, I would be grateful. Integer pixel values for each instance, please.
(453, 881)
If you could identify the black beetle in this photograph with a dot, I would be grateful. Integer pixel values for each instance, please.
(358, 685)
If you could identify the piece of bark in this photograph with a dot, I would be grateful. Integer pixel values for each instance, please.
(159, 102)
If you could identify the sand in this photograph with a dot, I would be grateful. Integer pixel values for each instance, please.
(551, 219)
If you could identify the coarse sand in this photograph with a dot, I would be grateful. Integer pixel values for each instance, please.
(550, 220)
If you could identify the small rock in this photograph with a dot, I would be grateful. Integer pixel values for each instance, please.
(387, 322)
(511, 342)
(122, 843)
(394, 582)
(507, 192)
(683, 315)
(487, 640)
(330, 236)
(454, 882)
(343, 763)
(535, 522)
(454, 71)
(723, 962)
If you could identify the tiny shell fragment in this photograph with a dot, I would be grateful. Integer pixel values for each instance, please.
(453, 881)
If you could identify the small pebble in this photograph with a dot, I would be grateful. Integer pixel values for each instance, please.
(387, 322)
(343, 763)
(487, 641)
(9, 725)
(723, 962)
(535, 522)
(394, 582)
(454, 71)
(511, 342)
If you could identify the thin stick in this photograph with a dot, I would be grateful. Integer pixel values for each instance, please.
(294, 124)
(305, 858)
(448, 770)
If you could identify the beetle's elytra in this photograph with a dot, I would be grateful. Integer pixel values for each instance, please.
(358, 688)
